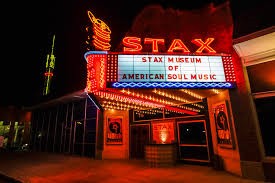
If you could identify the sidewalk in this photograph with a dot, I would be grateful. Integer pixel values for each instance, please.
(28, 167)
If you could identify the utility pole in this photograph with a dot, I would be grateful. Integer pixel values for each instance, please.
(50, 63)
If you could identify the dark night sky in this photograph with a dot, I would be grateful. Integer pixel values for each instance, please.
(29, 26)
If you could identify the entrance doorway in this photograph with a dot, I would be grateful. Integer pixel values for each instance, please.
(139, 137)
(193, 141)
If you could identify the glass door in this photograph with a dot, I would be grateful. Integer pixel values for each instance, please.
(193, 142)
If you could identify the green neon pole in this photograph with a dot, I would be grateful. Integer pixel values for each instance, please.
(50, 64)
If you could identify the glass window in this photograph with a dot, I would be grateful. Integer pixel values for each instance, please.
(51, 129)
(58, 137)
(62, 112)
(262, 84)
(192, 133)
(79, 110)
(266, 109)
(91, 110)
(79, 130)
(44, 130)
(261, 77)
(91, 124)
(60, 128)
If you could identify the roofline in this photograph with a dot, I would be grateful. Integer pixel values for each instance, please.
(254, 35)
(69, 97)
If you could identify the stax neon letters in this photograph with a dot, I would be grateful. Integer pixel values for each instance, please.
(134, 44)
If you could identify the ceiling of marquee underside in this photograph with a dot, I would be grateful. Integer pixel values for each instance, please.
(166, 97)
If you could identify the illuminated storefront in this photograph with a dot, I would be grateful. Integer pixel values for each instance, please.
(163, 91)
(187, 89)
(152, 89)
(194, 87)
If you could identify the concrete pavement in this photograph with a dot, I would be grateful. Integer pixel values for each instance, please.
(31, 167)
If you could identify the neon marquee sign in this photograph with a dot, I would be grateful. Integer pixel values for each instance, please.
(115, 70)
(133, 44)
(170, 68)
(132, 68)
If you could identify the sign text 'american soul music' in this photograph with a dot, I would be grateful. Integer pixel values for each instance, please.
(167, 68)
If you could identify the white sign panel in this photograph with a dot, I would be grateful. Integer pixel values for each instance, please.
(170, 68)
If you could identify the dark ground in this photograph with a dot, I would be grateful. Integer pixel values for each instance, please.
(30, 167)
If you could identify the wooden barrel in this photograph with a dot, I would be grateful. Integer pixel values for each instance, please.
(160, 155)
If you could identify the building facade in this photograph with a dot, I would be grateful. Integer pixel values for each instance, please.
(66, 125)
(213, 122)
(256, 51)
